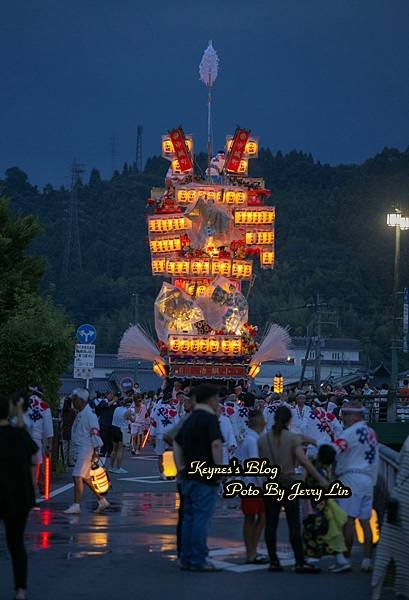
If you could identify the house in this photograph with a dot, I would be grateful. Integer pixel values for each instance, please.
(110, 372)
(339, 357)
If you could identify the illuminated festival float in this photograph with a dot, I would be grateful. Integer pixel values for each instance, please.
(206, 236)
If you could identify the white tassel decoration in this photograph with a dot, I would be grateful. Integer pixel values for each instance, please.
(274, 345)
(209, 66)
(135, 343)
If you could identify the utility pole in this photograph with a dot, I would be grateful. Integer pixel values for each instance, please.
(72, 257)
(138, 154)
(135, 295)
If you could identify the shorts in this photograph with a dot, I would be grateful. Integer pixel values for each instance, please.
(116, 433)
(83, 460)
(137, 428)
(357, 506)
(252, 506)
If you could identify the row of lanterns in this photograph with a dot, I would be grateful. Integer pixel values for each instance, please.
(202, 267)
(204, 345)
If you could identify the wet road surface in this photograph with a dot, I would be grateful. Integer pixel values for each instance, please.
(130, 550)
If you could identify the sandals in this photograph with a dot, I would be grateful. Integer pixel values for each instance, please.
(258, 560)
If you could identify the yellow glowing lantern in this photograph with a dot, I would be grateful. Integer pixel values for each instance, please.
(99, 479)
(374, 524)
(159, 369)
(204, 345)
(260, 237)
(167, 147)
(167, 465)
(169, 224)
(242, 269)
(253, 216)
(176, 266)
(174, 344)
(254, 370)
(235, 346)
(200, 266)
(226, 346)
(243, 167)
(278, 383)
(183, 196)
(194, 345)
(213, 345)
(251, 148)
(267, 258)
(176, 166)
(165, 245)
(185, 345)
(158, 265)
(221, 267)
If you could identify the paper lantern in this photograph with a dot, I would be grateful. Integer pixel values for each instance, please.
(99, 479)
(185, 345)
(221, 267)
(200, 267)
(254, 216)
(167, 465)
(168, 224)
(165, 245)
(234, 197)
(213, 345)
(243, 167)
(158, 266)
(267, 258)
(278, 384)
(175, 266)
(204, 345)
(242, 269)
(259, 237)
(374, 524)
(159, 369)
(254, 371)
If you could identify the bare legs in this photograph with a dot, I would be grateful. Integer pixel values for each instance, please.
(252, 528)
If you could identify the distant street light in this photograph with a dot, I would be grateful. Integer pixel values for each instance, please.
(400, 223)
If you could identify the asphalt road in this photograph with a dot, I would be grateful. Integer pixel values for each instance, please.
(130, 550)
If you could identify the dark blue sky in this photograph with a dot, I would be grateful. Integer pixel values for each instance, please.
(324, 76)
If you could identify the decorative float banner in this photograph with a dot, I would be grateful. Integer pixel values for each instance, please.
(207, 371)
(235, 155)
(178, 148)
(221, 345)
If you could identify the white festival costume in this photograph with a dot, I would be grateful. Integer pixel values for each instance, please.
(300, 418)
(323, 427)
(85, 438)
(357, 458)
(39, 424)
(269, 413)
(141, 419)
(228, 436)
(164, 416)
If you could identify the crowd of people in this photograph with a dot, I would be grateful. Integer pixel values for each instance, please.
(317, 438)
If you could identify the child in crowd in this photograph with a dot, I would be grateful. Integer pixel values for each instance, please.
(323, 527)
(139, 425)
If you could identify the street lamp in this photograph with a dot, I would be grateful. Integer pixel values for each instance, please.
(400, 223)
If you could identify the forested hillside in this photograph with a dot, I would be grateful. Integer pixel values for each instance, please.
(331, 237)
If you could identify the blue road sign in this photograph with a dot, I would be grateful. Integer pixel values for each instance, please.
(126, 384)
(86, 334)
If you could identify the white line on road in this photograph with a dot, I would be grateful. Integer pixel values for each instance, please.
(60, 490)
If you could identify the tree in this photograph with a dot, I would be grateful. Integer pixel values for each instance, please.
(35, 337)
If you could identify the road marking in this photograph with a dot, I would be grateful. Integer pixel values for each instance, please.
(216, 556)
(146, 479)
(60, 490)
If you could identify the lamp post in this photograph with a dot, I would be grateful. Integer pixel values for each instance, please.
(399, 222)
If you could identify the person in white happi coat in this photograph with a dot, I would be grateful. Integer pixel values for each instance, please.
(229, 443)
(38, 421)
(87, 442)
(357, 468)
(240, 419)
(300, 414)
(322, 426)
(164, 416)
(269, 412)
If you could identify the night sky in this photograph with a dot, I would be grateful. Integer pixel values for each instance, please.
(326, 77)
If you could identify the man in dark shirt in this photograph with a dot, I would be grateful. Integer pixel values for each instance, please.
(200, 439)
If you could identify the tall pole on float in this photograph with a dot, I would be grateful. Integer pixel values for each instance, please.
(208, 70)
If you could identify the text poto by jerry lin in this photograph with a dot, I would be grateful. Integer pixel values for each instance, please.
(268, 483)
